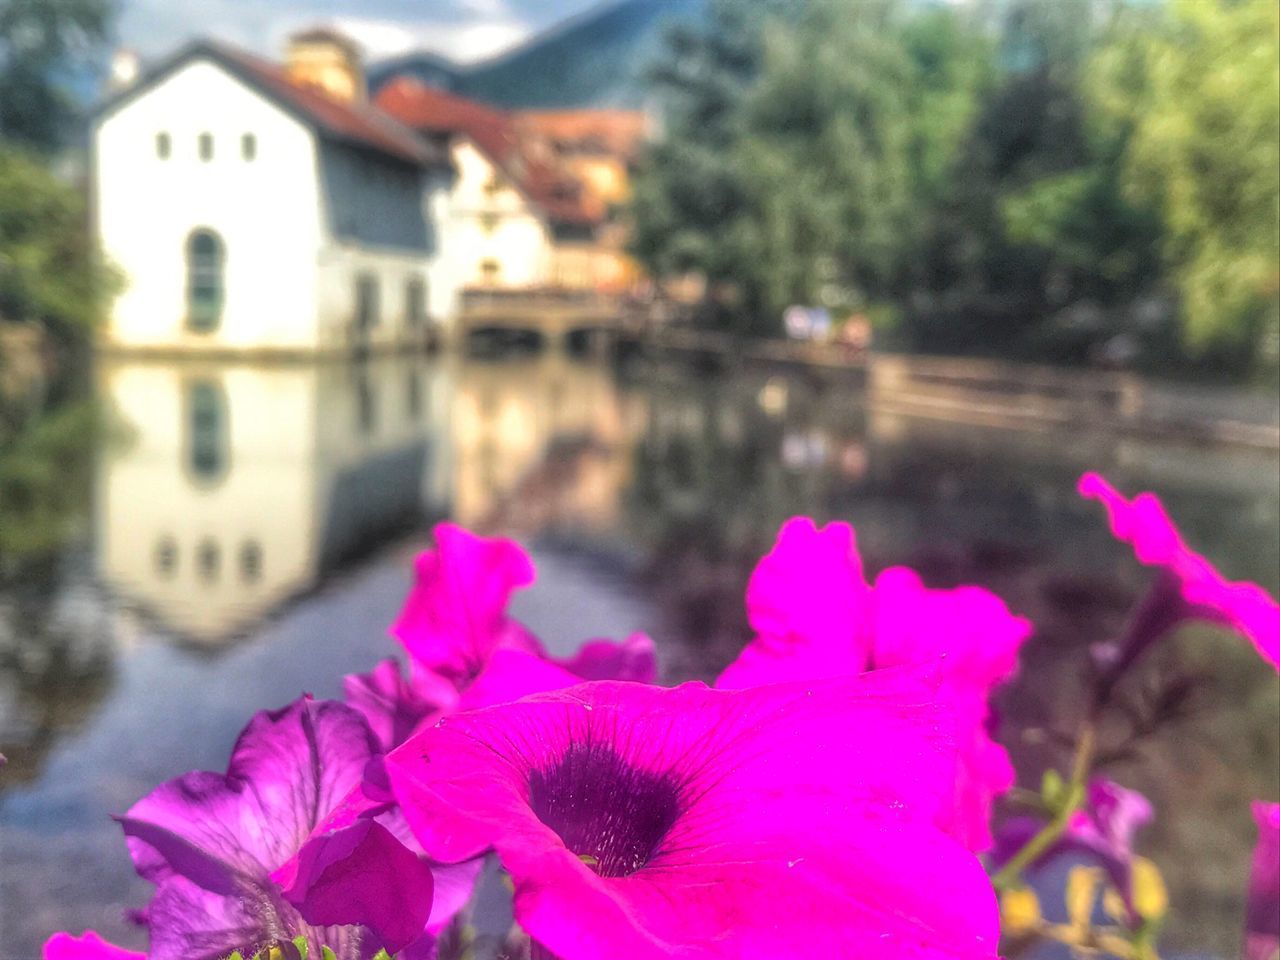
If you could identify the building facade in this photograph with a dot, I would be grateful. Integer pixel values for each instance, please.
(259, 208)
(524, 212)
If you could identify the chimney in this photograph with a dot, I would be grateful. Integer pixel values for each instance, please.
(124, 70)
(327, 60)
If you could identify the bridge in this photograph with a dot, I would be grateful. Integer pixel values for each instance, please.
(551, 314)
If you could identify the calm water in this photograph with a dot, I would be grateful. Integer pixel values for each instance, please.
(250, 531)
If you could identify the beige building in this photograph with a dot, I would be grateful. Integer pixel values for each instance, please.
(524, 212)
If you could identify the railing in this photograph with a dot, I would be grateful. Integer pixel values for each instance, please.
(484, 301)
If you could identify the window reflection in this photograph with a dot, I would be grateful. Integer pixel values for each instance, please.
(208, 444)
(250, 561)
(413, 395)
(366, 405)
(208, 560)
(166, 557)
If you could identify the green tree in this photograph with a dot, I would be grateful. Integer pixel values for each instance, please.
(42, 43)
(1101, 244)
(825, 157)
(1205, 152)
(685, 195)
(48, 271)
(803, 147)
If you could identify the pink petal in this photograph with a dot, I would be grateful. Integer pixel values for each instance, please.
(89, 946)
(1144, 524)
(455, 615)
(809, 606)
(392, 706)
(634, 658)
(362, 875)
(968, 630)
(804, 818)
(512, 674)
(288, 768)
(1262, 910)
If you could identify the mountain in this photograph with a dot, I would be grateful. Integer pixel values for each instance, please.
(596, 59)
(429, 69)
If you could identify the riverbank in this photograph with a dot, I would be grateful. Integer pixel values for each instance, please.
(998, 392)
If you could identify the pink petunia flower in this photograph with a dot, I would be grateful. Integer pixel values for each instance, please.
(1103, 830)
(1203, 592)
(815, 616)
(89, 946)
(1262, 910)
(210, 841)
(643, 822)
(455, 618)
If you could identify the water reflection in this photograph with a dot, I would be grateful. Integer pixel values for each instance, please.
(647, 497)
(540, 440)
(240, 484)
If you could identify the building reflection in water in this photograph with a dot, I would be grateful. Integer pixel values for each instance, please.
(237, 485)
(540, 441)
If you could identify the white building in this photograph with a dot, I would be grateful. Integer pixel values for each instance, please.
(259, 208)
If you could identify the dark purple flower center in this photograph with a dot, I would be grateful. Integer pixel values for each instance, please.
(606, 811)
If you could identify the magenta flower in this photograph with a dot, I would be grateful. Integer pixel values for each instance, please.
(1103, 830)
(643, 822)
(210, 842)
(1262, 911)
(456, 612)
(455, 618)
(815, 617)
(90, 946)
(392, 706)
(1203, 592)
(363, 876)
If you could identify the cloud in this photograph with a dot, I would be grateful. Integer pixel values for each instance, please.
(459, 29)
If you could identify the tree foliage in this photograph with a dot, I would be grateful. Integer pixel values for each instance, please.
(42, 44)
(48, 271)
(1205, 152)
(1033, 177)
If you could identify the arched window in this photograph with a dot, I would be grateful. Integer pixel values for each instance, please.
(206, 266)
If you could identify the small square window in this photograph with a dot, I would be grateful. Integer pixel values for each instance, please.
(163, 146)
(489, 222)
(493, 186)
(248, 146)
(489, 269)
(205, 146)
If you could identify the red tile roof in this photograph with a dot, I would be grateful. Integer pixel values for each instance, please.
(360, 123)
(494, 132)
(616, 132)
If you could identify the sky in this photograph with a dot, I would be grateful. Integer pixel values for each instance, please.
(462, 30)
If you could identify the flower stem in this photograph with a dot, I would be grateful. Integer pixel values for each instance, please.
(1011, 872)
